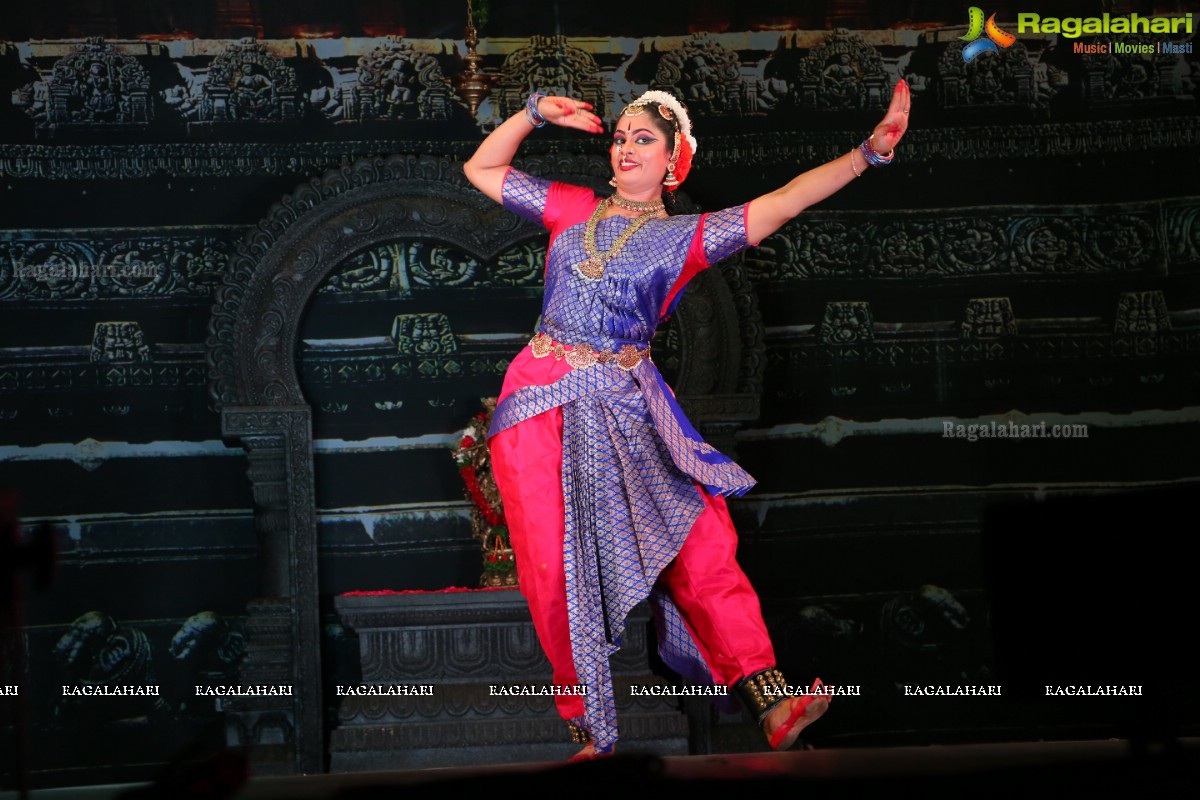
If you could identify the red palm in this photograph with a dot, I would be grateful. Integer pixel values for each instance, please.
(895, 122)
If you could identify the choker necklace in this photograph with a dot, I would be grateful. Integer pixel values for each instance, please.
(592, 267)
(635, 205)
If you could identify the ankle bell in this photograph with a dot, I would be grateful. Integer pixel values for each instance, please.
(579, 734)
(762, 691)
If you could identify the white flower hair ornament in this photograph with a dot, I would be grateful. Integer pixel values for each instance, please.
(685, 144)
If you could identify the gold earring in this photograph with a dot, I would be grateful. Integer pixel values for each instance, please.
(670, 180)
(612, 182)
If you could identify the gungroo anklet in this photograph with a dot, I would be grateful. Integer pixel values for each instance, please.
(762, 691)
(579, 734)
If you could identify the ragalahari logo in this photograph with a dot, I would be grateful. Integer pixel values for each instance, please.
(995, 40)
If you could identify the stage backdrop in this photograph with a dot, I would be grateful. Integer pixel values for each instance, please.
(248, 304)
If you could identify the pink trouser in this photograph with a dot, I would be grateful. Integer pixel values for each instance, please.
(712, 593)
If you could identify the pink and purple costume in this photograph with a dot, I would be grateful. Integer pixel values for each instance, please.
(611, 496)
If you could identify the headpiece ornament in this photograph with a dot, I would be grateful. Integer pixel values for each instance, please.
(669, 108)
(668, 101)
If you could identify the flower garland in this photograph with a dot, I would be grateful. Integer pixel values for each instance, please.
(467, 470)
(474, 465)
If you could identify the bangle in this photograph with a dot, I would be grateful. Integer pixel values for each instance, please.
(531, 113)
(875, 159)
(853, 168)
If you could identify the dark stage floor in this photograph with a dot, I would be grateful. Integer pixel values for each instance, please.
(1081, 769)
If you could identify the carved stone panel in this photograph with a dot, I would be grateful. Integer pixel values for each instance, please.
(453, 678)
(1005, 78)
(95, 86)
(246, 83)
(705, 75)
(843, 73)
(553, 66)
(397, 82)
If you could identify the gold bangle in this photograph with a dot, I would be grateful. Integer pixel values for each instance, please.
(857, 174)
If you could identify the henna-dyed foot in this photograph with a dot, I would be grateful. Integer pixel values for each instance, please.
(785, 722)
(588, 753)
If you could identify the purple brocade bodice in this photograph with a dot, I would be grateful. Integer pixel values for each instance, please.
(623, 306)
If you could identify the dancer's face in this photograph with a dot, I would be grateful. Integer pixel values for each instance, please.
(640, 151)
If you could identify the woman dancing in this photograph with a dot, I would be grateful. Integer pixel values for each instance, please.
(611, 496)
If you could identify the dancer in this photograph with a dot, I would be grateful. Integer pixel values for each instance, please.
(610, 494)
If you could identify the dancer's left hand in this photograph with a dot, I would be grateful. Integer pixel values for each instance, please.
(890, 130)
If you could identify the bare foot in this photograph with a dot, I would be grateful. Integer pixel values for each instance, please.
(586, 754)
(785, 721)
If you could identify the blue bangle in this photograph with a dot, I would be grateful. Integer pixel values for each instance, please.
(867, 148)
(531, 113)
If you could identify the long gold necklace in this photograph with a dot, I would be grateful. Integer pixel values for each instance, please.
(592, 267)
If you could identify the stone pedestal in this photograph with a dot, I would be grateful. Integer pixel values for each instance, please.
(458, 645)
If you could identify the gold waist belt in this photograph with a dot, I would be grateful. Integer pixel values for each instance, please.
(582, 356)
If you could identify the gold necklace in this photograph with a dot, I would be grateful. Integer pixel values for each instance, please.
(636, 205)
(593, 266)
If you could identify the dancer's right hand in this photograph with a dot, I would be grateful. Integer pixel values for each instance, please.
(567, 112)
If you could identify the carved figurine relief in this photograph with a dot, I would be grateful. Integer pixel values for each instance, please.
(1142, 313)
(843, 73)
(247, 83)
(1139, 73)
(847, 323)
(397, 82)
(211, 645)
(706, 75)
(999, 78)
(98, 654)
(119, 343)
(93, 85)
(989, 317)
(553, 66)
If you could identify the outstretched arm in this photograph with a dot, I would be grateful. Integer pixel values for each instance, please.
(488, 166)
(770, 211)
